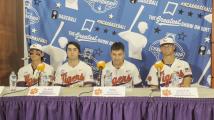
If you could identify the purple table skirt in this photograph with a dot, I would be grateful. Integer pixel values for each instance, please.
(100, 108)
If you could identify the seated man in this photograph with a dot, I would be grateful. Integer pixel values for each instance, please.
(120, 72)
(74, 73)
(29, 74)
(170, 71)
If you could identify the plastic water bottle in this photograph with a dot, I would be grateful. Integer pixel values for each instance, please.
(175, 80)
(44, 79)
(13, 80)
(108, 78)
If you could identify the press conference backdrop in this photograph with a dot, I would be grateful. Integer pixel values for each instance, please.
(97, 24)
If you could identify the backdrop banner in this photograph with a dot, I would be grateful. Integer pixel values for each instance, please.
(97, 24)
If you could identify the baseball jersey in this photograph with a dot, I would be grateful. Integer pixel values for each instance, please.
(171, 76)
(74, 76)
(25, 73)
(127, 75)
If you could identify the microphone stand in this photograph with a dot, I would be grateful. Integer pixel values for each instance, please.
(159, 79)
(99, 77)
(39, 78)
(100, 66)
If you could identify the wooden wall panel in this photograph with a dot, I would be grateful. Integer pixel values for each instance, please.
(11, 37)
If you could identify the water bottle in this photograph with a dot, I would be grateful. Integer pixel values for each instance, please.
(108, 78)
(13, 80)
(44, 79)
(175, 80)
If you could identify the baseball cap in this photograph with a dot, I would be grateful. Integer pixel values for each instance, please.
(167, 40)
(36, 46)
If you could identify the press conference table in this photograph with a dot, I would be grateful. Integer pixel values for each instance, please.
(136, 106)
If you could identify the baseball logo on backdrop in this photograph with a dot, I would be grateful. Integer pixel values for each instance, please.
(31, 14)
(154, 48)
(102, 6)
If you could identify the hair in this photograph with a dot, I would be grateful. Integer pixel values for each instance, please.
(117, 46)
(77, 45)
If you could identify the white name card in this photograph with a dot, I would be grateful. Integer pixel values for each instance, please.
(183, 92)
(109, 91)
(44, 91)
(1, 89)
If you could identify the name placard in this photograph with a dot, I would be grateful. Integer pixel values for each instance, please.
(1, 89)
(44, 91)
(109, 91)
(183, 92)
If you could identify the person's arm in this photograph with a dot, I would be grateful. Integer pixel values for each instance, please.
(21, 80)
(20, 75)
(187, 75)
(136, 77)
(152, 79)
(89, 80)
(88, 84)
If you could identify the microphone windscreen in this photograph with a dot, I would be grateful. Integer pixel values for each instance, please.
(159, 65)
(101, 65)
(41, 67)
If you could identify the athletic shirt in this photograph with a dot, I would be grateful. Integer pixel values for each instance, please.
(170, 75)
(25, 73)
(127, 75)
(75, 76)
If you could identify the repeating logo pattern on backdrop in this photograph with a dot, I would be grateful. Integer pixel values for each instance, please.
(97, 24)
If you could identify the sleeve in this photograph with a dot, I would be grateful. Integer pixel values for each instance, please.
(152, 76)
(50, 71)
(58, 79)
(89, 75)
(136, 76)
(21, 75)
(187, 70)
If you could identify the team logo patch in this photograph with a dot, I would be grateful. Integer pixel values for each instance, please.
(187, 70)
(102, 6)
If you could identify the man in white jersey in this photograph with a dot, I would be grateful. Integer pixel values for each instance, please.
(74, 73)
(120, 72)
(29, 74)
(171, 71)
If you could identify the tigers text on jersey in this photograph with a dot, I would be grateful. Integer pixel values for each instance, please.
(75, 76)
(127, 75)
(25, 73)
(170, 75)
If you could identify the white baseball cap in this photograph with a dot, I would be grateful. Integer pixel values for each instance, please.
(36, 46)
(166, 40)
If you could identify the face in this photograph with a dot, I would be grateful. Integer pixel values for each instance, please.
(35, 54)
(72, 52)
(167, 49)
(117, 57)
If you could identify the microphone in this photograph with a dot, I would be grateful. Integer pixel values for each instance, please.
(100, 65)
(159, 67)
(37, 73)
